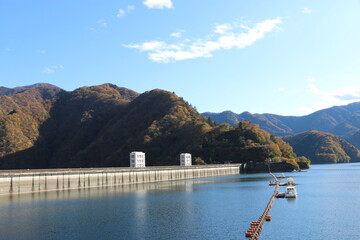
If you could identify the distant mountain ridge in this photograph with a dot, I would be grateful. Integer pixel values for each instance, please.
(343, 121)
(12, 91)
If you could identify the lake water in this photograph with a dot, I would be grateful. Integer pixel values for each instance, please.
(328, 207)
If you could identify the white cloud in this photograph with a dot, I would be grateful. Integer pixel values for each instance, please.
(281, 89)
(149, 46)
(159, 51)
(120, 13)
(223, 28)
(313, 88)
(177, 34)
(340, 96)
(307, 10)
(48, 70)
(102, 24)
(52, 69)
(158, 4)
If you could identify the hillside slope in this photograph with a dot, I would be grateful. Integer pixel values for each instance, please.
(355, 139)
(323, 147)
(21, 115)
(99, 126)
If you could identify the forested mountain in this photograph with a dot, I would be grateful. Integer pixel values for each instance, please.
(46, 127)
(343, 121)
(22, 114)
(45, 87)
(323, 147)
(355, 139)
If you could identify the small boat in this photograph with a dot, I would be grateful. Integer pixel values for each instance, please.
(280, 184)
(290, 192)
(281, 176)
(272, 183)
(280, 195)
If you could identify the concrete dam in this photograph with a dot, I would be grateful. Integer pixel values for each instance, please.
(31, 181)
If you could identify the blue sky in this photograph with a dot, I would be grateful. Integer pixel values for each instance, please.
(270, 56)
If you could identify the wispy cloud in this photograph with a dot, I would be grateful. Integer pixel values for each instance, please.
(177, 34)
(103, 23)
(307, 10)
(52, 69)
(223, 28)
(159, 51)
(281, 89)
(312, 86)
(130, 8)
(340, 96)
(158, 4)
(120, 13)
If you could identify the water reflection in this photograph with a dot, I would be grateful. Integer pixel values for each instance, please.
(139, 189)
(208, 208)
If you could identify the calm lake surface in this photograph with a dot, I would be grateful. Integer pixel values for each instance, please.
(328, 207)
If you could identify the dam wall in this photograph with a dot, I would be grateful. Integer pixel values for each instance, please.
(30, 181)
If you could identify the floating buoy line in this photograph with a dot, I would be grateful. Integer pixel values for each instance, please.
(255, 228)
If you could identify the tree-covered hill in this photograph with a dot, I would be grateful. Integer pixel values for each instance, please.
(323, 147)
(99, 126)
(246, 142)
(22, 113)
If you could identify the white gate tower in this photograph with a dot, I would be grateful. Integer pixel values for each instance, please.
(137, 159)
(185, 159)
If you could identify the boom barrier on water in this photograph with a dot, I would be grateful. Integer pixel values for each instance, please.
(255, 228)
